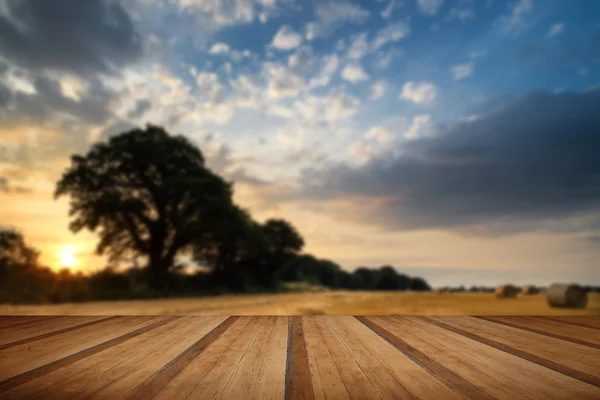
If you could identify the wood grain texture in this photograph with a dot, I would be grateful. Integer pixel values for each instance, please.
(298, 383)
(569, 332)
(571, 359)
(313, 357)
(500, 374)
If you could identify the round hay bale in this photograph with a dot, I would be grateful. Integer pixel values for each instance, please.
(506, 292)
(529, 289)
(566, 295)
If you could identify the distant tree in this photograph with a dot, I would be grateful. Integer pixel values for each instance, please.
(21, 278)
(283, 241)
(148, 194)
(389, 279)
(365, 278)
(419, 285)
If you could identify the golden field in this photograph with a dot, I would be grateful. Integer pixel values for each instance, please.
(317, 303)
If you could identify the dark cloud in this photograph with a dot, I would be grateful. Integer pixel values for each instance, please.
(6, 187)
(82, 37)
(141, 106)
(535, 160)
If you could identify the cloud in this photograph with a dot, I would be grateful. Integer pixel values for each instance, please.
(286, 38)
(219, 48)
(380, 134)
(6, 187)
(377, 90)
(429, 7)
(386, 13)
(419, 92)
(462, 71)
(556, 29)
(391, 33)
(359, 47)
(421, 127)
(330, 65)
(331, 12)
(221, 13)
(514, 22)
(462, 14)
(80, 37)
(531, 165)
(354, 73)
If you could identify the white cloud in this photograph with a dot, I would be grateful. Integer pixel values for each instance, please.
(462, 71)
(354, 73)
(377, 90)
(331, 12)
(330, 65)
(514, 22)
(419, 92)
(421, 127)
(429, 7)
(362, 151)
(209, 84)
(301, 60)
(312, 30)
(340, 105)
(219, 13)
(379, 134)
(359, 47)
(286, 38)
(387, 11)
(391, 33)
(556, 29)
(219, 48)
(281, 82)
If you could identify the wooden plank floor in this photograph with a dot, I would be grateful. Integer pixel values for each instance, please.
(316, 357)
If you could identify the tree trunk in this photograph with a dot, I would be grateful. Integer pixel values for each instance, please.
(158, 271)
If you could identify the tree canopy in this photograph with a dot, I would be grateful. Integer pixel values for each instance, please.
(148, 194)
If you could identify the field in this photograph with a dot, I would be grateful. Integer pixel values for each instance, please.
(319, 303)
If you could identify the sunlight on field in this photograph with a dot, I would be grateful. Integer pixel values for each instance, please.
(322, 303)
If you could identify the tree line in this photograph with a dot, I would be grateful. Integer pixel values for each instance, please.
(150, 198)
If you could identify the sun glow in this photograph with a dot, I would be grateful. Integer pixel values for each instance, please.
(68, 258)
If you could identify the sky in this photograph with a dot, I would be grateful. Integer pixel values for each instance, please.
(458, 140)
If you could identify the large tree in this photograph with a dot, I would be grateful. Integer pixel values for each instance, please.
(148, 194)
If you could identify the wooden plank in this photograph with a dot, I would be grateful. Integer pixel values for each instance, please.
(217, 378)
(27, 320)
(353, 377)
(298, 384)
(153, 384)
(577, 361)
(32, 366)
(445, 375)
(198, 335)
(500, 374)
(89, 375)
(586, 321)
(244, 377)
(327, 382)
(29, 334)
(270, 383)
(181, 386)
(576, 334)
(383, 365)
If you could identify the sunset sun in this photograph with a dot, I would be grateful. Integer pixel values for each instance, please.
(67, 257)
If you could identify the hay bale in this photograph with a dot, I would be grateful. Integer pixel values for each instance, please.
(506, 292)
(566, 295)
(529, 289)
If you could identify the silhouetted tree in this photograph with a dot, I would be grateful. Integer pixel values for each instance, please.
(283, 241)
(389, 279)
(148, 194)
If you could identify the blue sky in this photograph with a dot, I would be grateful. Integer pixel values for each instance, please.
(446, 135)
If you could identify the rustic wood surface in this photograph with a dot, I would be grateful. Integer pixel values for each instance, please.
(308, 357)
